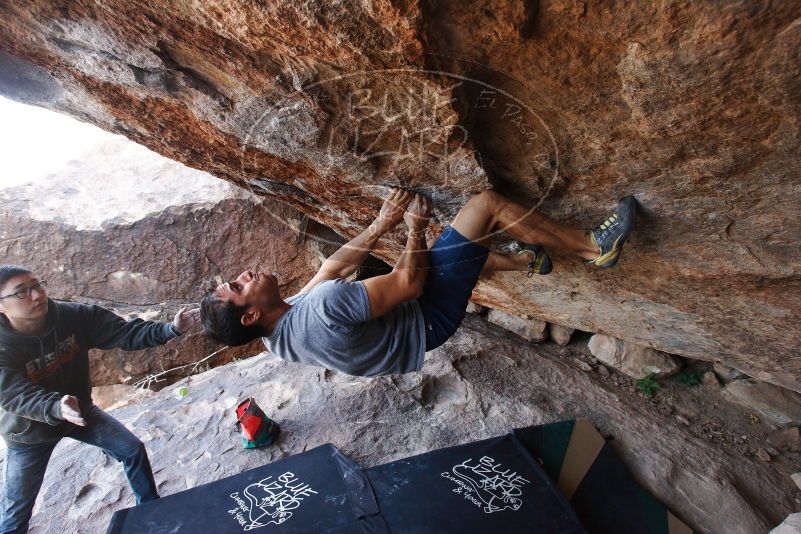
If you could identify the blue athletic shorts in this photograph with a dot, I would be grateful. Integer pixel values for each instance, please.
(456, 264)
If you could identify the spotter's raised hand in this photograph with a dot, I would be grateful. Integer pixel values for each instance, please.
(186, 320)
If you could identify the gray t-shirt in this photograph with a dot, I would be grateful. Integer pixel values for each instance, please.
(330, 327)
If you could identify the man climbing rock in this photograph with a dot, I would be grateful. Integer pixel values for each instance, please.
(385, 324)
(45, 391)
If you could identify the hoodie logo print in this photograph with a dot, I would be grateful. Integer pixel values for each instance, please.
(46, 365)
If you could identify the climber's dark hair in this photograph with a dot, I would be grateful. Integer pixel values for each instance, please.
(7, 272)
(222, 321)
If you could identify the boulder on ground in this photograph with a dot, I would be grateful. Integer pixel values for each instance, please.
(529, 329)
(786, 438)
(726, 373)
(791, 525)
(763, 455)
(775, 404)
(560, 334)
(634, 360)
(475, 308)
(710, 379)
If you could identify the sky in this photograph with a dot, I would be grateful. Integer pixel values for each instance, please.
(36, 141)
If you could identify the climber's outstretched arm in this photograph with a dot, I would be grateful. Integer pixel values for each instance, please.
(407, 279)
(352, 254)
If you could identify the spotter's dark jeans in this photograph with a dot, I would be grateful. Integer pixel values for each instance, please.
(25, 467)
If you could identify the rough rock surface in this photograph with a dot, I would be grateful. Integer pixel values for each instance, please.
(481, 383)
(560, 334)
(529, 329)
(117, 396)
(475, 308)
(691, 106)
(775, 404)
(727, 374)
(786, 438)
(710, 379)
(633, 360)
(149, 264)
(791, 525)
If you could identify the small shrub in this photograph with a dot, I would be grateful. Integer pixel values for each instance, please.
(688, 378)
(648, 385)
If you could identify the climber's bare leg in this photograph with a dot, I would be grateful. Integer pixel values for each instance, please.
(501, 262)
(488, 210)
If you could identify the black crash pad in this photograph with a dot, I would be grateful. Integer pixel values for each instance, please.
(320, 490)
(493, 485)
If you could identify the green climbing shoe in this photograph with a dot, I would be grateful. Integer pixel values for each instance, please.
(541, 264)
(613, 232)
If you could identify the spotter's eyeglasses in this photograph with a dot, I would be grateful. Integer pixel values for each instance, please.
(25, 292)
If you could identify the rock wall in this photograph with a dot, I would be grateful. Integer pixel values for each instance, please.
(693, 107)
(156, 263)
